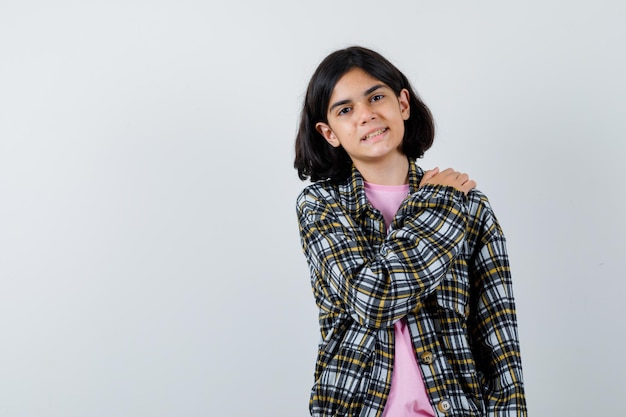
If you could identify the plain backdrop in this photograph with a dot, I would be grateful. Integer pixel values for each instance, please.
(150, 262)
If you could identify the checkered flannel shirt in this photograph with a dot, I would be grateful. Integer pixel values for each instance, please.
(443, 265)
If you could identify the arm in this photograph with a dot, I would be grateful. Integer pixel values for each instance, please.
(378, 287)
(493, 325)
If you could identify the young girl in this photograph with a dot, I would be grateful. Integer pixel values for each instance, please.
(408, 267)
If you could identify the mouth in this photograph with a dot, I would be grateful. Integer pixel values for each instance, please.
(374, 134)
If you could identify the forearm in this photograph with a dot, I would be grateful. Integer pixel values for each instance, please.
(378, 285)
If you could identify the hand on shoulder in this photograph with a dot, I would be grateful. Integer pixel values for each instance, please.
(448, 177)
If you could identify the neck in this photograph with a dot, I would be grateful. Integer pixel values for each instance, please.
(390, 172)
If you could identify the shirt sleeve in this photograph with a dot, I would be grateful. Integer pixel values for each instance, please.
(493, 325)
(378, 287)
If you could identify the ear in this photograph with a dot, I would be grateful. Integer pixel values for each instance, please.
(327, 133)
(405, 107)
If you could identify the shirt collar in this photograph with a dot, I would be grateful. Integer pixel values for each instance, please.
(352, 190)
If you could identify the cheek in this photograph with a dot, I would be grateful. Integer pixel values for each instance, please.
(402, 129)
(343, 132)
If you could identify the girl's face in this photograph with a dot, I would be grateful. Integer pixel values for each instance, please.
(366, 118)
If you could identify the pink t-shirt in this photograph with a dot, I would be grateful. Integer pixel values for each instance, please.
(408, 397)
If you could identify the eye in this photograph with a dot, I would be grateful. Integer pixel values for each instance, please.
(344, 110)
(377, 97)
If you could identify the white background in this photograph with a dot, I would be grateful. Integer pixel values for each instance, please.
(149, 255)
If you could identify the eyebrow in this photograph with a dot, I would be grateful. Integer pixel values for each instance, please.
(366, 93)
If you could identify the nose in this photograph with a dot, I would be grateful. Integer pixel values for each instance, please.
(365, 114)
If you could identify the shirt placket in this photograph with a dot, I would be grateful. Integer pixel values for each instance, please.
(431, 359)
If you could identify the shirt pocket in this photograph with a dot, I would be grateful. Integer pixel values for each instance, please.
(343, 381)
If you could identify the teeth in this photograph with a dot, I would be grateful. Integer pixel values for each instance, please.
(371, 135)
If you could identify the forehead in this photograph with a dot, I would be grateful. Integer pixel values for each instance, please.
(353, 84)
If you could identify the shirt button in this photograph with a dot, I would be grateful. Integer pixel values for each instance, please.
(444, 406)
(427, 358)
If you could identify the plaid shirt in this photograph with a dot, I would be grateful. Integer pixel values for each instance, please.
(443, 265)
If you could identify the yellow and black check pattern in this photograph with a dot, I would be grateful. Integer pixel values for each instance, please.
(443, 265)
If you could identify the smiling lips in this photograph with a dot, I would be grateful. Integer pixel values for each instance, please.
(373, 134)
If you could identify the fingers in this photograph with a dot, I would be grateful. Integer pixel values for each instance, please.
(428, 175)
(449, 177)
(462, 178)
(467, 186)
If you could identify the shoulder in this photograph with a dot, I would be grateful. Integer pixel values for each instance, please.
(481, 217)
(477, 203)
(320, 189)
(316, 195)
